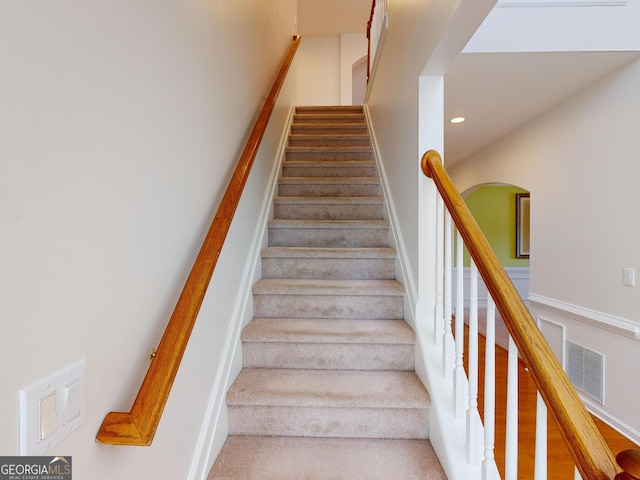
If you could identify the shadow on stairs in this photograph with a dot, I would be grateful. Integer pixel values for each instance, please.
(328, 388)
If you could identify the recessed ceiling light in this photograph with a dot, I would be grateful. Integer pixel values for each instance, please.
(457, 120)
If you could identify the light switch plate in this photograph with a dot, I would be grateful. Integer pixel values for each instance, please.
(629, 277)
(51, 409)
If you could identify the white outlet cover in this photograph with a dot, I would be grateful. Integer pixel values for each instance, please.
(68, 385)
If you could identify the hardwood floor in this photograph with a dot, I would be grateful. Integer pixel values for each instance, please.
(559, 463)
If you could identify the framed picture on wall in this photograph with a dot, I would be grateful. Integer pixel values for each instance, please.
(522, 225)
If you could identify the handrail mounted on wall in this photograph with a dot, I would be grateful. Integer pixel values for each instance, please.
(139, 426)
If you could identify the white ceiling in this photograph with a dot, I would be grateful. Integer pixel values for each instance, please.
(496, 92)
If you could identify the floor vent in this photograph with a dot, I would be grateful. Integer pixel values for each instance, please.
(586, 371)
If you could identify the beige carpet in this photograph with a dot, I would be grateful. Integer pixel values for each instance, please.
(328, 388)
(291, 458)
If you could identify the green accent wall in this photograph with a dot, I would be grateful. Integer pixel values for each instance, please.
(494, 208)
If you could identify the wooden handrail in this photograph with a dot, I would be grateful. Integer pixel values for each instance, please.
(588, 448)
(369, 24)
(138, 426)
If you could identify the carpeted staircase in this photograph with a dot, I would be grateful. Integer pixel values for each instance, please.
(327, 389)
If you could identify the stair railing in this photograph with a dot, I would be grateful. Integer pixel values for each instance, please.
(592, 457)
(376, 25)
(138, 426)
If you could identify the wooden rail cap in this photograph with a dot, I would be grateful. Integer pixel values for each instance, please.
(139, 426)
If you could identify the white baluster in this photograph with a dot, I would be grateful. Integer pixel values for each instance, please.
(448, 352)
(459, 377)
(473, 427)
(438, 314)
(488, 464)
(511, 434)
(540, 461)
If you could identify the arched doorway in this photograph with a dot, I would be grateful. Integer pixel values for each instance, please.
(359, 81)
(503, 217)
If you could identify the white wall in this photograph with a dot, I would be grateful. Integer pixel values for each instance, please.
(579, 161)
(405, 113)
(393, 99)
(120, 123)
(325, 68)
(319, 71)
(353, 46)
(359, 81)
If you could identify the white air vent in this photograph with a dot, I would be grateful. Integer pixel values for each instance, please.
(586, 371)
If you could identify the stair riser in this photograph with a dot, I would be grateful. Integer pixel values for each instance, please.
(328, 212)
(332, 109)
(325, 141)
(316, 118)
(310, 189)
(328, 306)
(328, 171)
(329, 422)
(347, 269)
(331, 238)
(322, 356)
(319, 129)
(329, 155)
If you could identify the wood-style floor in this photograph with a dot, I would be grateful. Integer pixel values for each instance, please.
(559, 463)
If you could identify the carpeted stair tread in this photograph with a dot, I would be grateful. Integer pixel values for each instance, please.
(328, 389)
(331, 180)
(329, 108)
(353, 139)
(329, 200)
(345, 149)
(323, 287)
(306, 330)
(329, 117)
(328, 165)
(329, 253)
(327, 154)
(285, 232)
(329, 263)
(290, 458)
(328, 128)
(328, 224)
